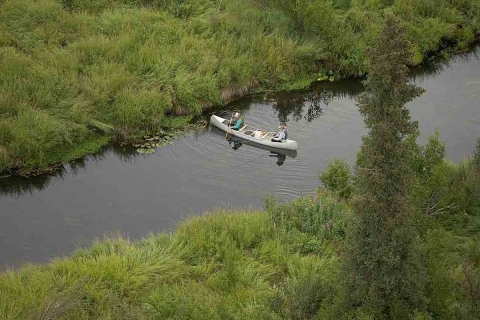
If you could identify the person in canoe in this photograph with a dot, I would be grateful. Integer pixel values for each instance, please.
(281, 134)
(236, 122)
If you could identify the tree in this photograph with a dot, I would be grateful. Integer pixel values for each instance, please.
(386, 272)
(476, 158)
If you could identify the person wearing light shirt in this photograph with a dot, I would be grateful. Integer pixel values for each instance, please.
(280, 135)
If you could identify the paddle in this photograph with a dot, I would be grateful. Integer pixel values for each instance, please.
(228, 128)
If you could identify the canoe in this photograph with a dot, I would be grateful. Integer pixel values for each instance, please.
(246, 132)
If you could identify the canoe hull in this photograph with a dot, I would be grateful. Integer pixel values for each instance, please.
(219, 122)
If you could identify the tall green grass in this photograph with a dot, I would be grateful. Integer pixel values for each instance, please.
(72, 71)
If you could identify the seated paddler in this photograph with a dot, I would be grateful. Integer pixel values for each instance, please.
(280, 135)
(237, 121)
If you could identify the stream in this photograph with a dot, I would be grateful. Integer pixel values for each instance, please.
(119, 190)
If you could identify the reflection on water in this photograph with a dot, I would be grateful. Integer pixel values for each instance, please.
(16, 186)
(279, 155)
(235, 144)
(440, 63)
(307, 105)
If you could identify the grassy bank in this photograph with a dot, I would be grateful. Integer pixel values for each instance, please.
(220, 266)
(72, 72)
(282, 263)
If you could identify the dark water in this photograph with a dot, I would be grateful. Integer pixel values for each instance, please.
(119, 190)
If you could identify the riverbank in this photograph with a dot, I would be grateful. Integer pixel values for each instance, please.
(74, 74)
(142, 142)
(281, 263)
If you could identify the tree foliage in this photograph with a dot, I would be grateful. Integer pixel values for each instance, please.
(387, 276)
(476, 157)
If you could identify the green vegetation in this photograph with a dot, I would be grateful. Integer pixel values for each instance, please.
(394, 184)
(72, 71)
(221, 266)
(397, 240)
(337, 178)
(385, 262)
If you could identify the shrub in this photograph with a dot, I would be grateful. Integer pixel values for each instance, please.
(454, 272)
(337, 178)
(321, 216)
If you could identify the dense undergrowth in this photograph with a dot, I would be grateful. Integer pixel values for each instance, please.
(283, 263)
(73, 72)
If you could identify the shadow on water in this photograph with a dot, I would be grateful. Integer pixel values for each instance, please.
(308, 105)
(440, 63)
(16, 186)
(304, 105)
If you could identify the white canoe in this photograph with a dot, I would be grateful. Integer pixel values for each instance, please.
(247, 132)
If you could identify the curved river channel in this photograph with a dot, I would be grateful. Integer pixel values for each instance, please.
(120, 190)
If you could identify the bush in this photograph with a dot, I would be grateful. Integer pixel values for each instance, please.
(321, 216)
(337, 178)
(454, 273)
